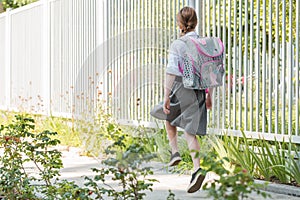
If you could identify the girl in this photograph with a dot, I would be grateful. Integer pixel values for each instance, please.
(184, 108)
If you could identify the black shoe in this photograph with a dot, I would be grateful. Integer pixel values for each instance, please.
(196, 181)
(175, 159)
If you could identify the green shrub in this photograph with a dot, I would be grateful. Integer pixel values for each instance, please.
(124, 164)
(21, 146)
(231, 185)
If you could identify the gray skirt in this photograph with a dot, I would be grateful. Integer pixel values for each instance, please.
(187, 109)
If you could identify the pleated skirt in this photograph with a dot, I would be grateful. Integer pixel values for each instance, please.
(187, 109)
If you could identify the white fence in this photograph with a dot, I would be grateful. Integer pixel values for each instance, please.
(262, 45)
(44, 47)
(60, 57)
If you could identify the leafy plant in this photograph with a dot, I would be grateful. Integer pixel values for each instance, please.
(162, 142)
(146, 135)
(93, 130)
(171, 195)
(21, 146)
(230, 185)
(263, 164)
(278, 156)
(124, 164)
(67, 135)
(67, 190)
(236, 149)
(222, 147)
(293, 163)
(271, 161)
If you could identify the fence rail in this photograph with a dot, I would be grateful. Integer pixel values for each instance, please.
(60, 57)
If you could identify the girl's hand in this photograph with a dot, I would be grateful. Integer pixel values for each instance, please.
(208, 102)
(166, 106)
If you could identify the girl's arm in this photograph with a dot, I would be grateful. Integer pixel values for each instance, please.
(209, 98)
(167, 89)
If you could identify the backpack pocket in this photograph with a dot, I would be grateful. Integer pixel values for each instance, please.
(211, 73)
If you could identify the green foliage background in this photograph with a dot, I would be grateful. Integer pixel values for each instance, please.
(14, 3)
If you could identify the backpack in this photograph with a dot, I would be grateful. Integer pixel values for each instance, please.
(202, 64)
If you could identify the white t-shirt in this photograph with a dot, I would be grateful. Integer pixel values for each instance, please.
(176, 52)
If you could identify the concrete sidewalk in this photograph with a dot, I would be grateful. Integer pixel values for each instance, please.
(75, 167)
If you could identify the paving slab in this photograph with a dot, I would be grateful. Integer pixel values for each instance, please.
(76, 167)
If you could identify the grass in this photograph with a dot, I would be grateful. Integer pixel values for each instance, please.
(65, 129)
(63, 126)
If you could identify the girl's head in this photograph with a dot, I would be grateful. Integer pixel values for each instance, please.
(187, 20)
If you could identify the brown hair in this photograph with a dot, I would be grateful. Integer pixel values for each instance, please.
(187, 19)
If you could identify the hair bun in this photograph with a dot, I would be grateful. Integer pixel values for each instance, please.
(187, 18)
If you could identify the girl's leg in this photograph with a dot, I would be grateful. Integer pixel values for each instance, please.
(197, 178)
(194, 147)
(172, 135)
